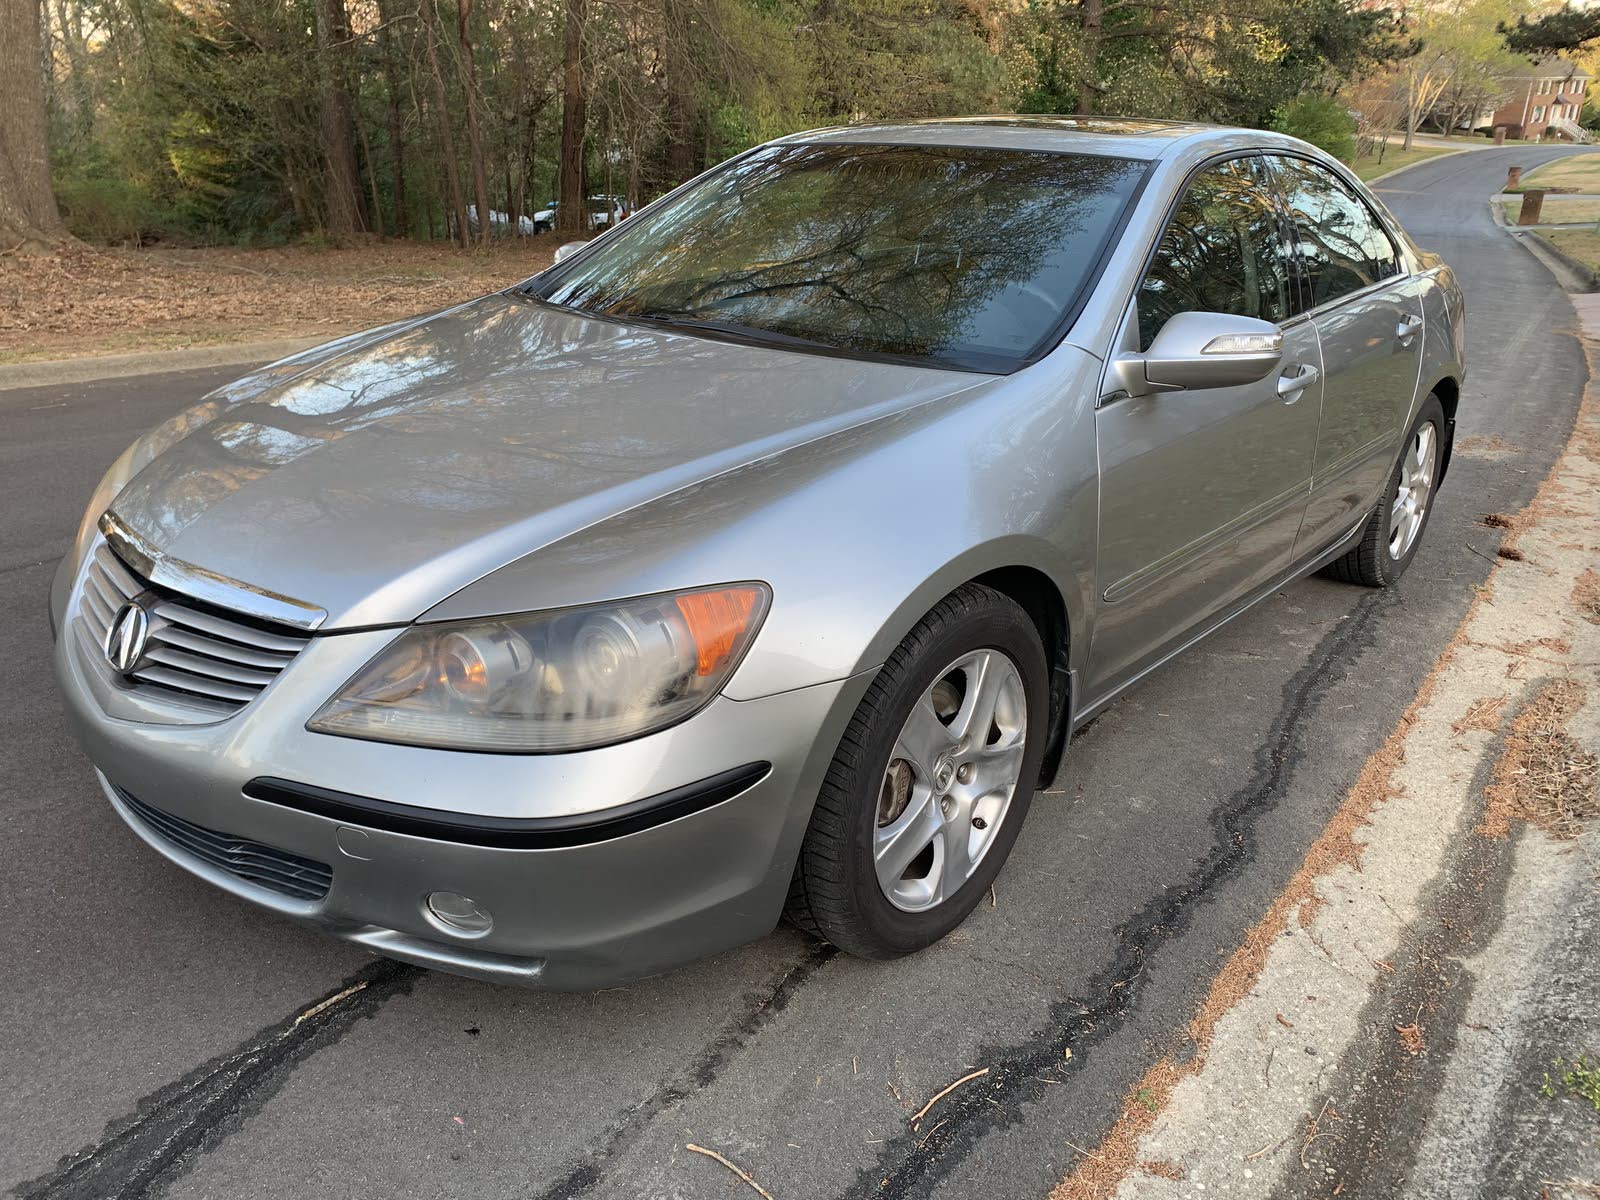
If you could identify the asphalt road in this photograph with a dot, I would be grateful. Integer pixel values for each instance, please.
(149, 1043)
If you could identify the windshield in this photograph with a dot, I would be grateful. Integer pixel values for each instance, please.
(957, 256)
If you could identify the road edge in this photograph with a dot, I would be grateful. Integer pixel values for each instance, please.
(93, 368)
(1336, 930)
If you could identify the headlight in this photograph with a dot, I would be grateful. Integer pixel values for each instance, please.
(112, 482)
(561, 680)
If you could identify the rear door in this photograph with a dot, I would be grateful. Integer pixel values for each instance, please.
(1202, 491)
(1368, 312)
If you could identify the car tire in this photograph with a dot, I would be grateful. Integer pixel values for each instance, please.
(1394, 530)
(879, 797)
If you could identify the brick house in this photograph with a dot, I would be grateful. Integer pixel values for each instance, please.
(1544, 102)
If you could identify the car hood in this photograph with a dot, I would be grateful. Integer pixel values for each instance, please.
(377, 479)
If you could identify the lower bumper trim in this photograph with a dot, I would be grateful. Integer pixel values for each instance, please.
(508, 833)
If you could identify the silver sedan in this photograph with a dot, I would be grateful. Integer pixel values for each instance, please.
(759, 557)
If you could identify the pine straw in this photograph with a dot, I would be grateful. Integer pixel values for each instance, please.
(1098, 1174)
(1586, 596)
(1545, 777)
(1483, 713)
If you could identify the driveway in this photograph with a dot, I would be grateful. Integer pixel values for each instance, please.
(161, 1038)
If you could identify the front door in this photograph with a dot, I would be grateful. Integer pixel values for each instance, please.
(1202, 491)
(1368, 312)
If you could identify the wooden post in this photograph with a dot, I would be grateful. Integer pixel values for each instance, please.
(1532, 204)
(1513, 177)
(1499, 135)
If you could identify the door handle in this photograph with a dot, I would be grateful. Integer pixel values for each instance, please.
(1408, 329)
(1290, 386)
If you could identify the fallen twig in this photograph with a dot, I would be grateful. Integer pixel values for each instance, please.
(941, 1095)
(739, 1171)
(1266, 1149)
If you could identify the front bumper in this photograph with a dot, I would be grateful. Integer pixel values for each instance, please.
(572, 917)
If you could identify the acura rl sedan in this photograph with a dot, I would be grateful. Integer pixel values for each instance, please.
(760, 556)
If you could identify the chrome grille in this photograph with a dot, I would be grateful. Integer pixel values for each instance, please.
(195, 655)
(266, 866)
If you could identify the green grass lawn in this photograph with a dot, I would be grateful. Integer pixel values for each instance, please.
(1581, 171)
(1367, 166)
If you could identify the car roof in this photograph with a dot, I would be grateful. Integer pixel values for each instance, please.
(1122, 137)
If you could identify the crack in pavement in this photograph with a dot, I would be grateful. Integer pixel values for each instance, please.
(909, 1166)
(700, 1073)
(140, 1153)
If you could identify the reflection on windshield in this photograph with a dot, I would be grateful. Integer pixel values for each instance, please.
(967, 256)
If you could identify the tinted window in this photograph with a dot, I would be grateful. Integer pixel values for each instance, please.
(963, 256)
(1340, 246)
(1223, 252)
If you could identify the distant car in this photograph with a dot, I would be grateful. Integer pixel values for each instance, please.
(600, 210)
(761, 555)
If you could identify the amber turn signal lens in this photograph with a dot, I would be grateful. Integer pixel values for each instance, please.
(717, 621)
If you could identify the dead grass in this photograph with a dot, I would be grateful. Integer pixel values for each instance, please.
(86, 301)
(1544, 777)
(1579, 171)
(1581, 243)
(1559, 210)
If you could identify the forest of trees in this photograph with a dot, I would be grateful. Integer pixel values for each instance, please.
(261, 121)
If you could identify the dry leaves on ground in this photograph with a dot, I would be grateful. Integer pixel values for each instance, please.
(88, 301)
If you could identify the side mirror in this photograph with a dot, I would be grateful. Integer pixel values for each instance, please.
(1202, 350)
(568, 249)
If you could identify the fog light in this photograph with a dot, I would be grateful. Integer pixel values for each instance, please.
(459, 914)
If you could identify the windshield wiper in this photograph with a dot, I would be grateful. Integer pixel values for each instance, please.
(685, 320)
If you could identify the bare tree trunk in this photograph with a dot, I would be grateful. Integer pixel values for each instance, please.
(29, 218)
(681, 116)
(72, 38)
(1089, 85)
(570, 216)
(447, 137)
(336, 123)
(480, 175)
(375, 214)
(527, 193)
(397, 146)
(1413, 104)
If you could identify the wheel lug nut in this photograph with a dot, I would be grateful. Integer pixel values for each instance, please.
(965, 773)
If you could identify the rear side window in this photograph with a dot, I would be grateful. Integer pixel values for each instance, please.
(1222, 252)
(1339, 242)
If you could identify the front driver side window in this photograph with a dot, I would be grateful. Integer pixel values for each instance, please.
(1342, 246)
(1222, 252)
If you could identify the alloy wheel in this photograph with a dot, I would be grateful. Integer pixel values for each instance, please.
(950, 779)
(1411, 498)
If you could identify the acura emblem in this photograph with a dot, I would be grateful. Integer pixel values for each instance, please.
(126, 637)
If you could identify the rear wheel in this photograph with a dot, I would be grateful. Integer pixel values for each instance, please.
(931, 782)
(1394, 530)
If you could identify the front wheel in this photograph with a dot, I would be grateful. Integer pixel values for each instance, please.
(1394, 530)
(931, 782)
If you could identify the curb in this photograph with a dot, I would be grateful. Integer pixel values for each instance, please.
(150, 362)
(1572, 275)
(1421, 162)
